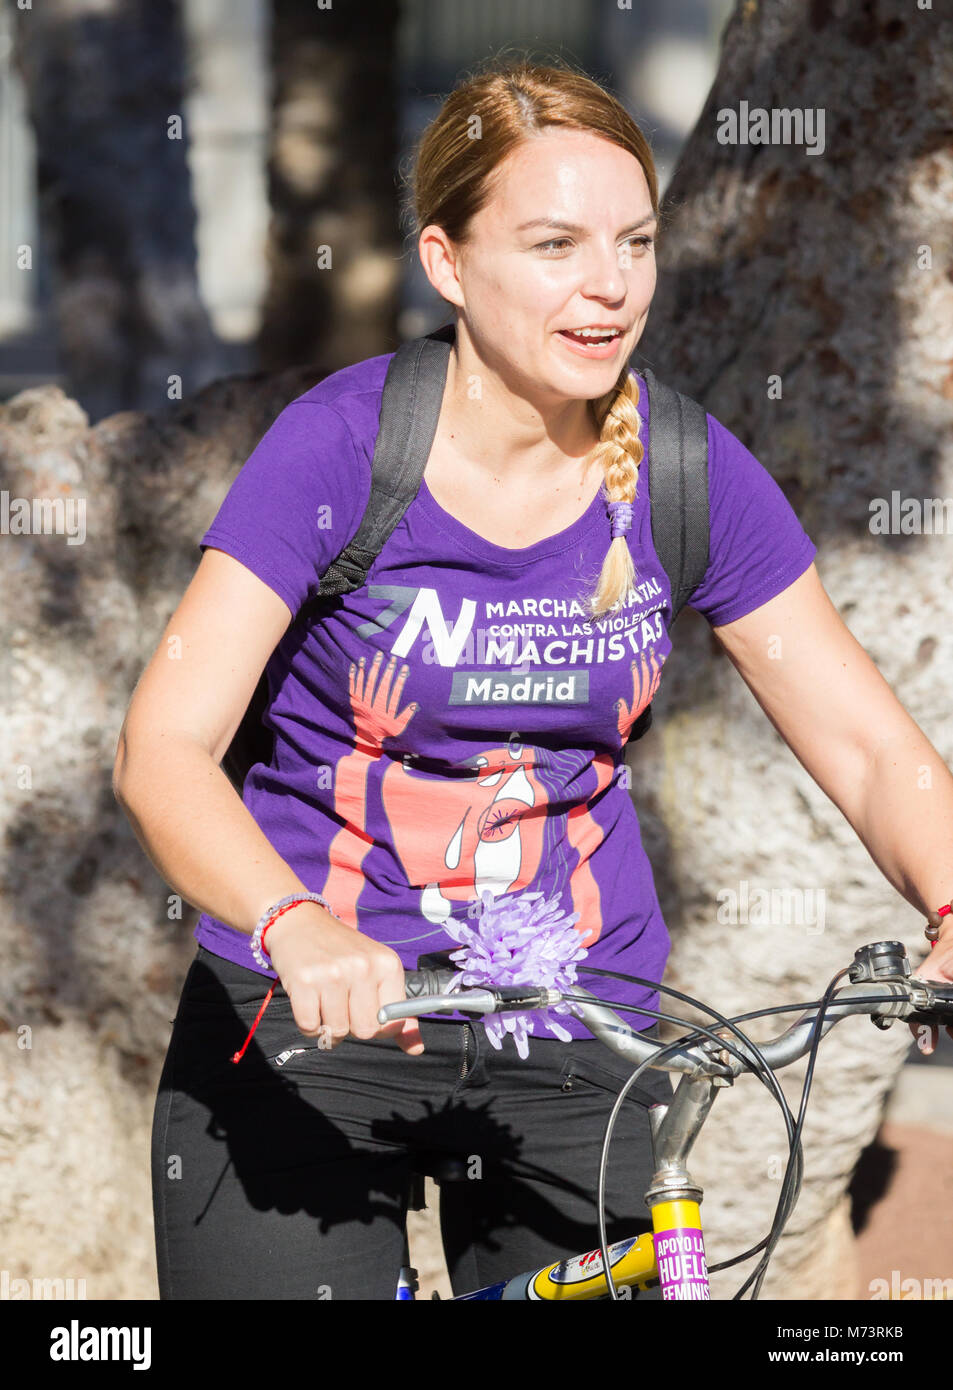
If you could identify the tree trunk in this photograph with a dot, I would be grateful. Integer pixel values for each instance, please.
(334, 246)
(105, 95)
(829, 275)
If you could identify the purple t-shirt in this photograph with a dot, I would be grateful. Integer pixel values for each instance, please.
(454, 731)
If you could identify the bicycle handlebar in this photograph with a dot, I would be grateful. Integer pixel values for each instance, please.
(915, 1001)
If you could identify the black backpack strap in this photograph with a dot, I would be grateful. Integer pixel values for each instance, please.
(410, 411)
(678, 487)
(678, 490)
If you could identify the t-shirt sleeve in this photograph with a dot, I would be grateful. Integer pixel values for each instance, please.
(757, 545)
(296, 501)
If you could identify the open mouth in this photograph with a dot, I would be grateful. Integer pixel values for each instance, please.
(591, 343)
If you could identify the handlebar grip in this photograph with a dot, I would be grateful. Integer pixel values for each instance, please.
(418, 984)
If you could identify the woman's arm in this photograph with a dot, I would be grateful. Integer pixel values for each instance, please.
(195, 827)
(183, 713)
(836, 712)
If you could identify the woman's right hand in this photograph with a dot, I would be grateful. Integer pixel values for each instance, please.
(337, 978)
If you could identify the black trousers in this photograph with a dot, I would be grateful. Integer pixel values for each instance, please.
(289, 1179)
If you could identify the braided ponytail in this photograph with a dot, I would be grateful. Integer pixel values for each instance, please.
(620, 452)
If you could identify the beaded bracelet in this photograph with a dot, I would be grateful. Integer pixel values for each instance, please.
(272, 914)
(932, 929)
(258, 949)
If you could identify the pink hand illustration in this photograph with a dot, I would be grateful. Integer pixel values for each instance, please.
(644, 687)
(375, 710)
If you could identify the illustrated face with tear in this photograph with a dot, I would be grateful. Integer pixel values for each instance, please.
(461, 834)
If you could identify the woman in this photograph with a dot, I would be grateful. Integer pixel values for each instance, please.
(447, 741)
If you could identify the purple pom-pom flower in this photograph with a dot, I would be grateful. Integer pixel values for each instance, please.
(519, 940)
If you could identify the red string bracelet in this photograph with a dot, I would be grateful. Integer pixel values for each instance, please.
(310, 897)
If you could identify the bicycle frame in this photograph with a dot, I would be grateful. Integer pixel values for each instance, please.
(673, 1253)
(677, 1245)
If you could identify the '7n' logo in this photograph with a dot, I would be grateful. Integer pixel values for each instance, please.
(424, 606)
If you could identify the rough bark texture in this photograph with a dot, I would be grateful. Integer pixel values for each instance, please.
(809, 267)
(94, 955)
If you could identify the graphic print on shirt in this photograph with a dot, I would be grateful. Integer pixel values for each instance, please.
(488, 822)
(316, 459)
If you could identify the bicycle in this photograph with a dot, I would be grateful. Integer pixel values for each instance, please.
(673, 1253)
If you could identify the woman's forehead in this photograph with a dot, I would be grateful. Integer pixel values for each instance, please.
(544, 173)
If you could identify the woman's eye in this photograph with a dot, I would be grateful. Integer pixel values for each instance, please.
(644, 241)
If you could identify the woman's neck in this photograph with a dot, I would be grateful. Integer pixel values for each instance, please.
(503, 430)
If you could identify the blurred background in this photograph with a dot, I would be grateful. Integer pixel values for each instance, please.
(172, 176)
(199, 248)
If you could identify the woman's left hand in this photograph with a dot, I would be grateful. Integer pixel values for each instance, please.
(937, 966)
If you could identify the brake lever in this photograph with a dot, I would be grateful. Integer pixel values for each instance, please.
(471, 1001)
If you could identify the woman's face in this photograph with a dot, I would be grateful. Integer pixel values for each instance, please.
(588, 261)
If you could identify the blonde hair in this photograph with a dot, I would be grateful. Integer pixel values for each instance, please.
(451, 181)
